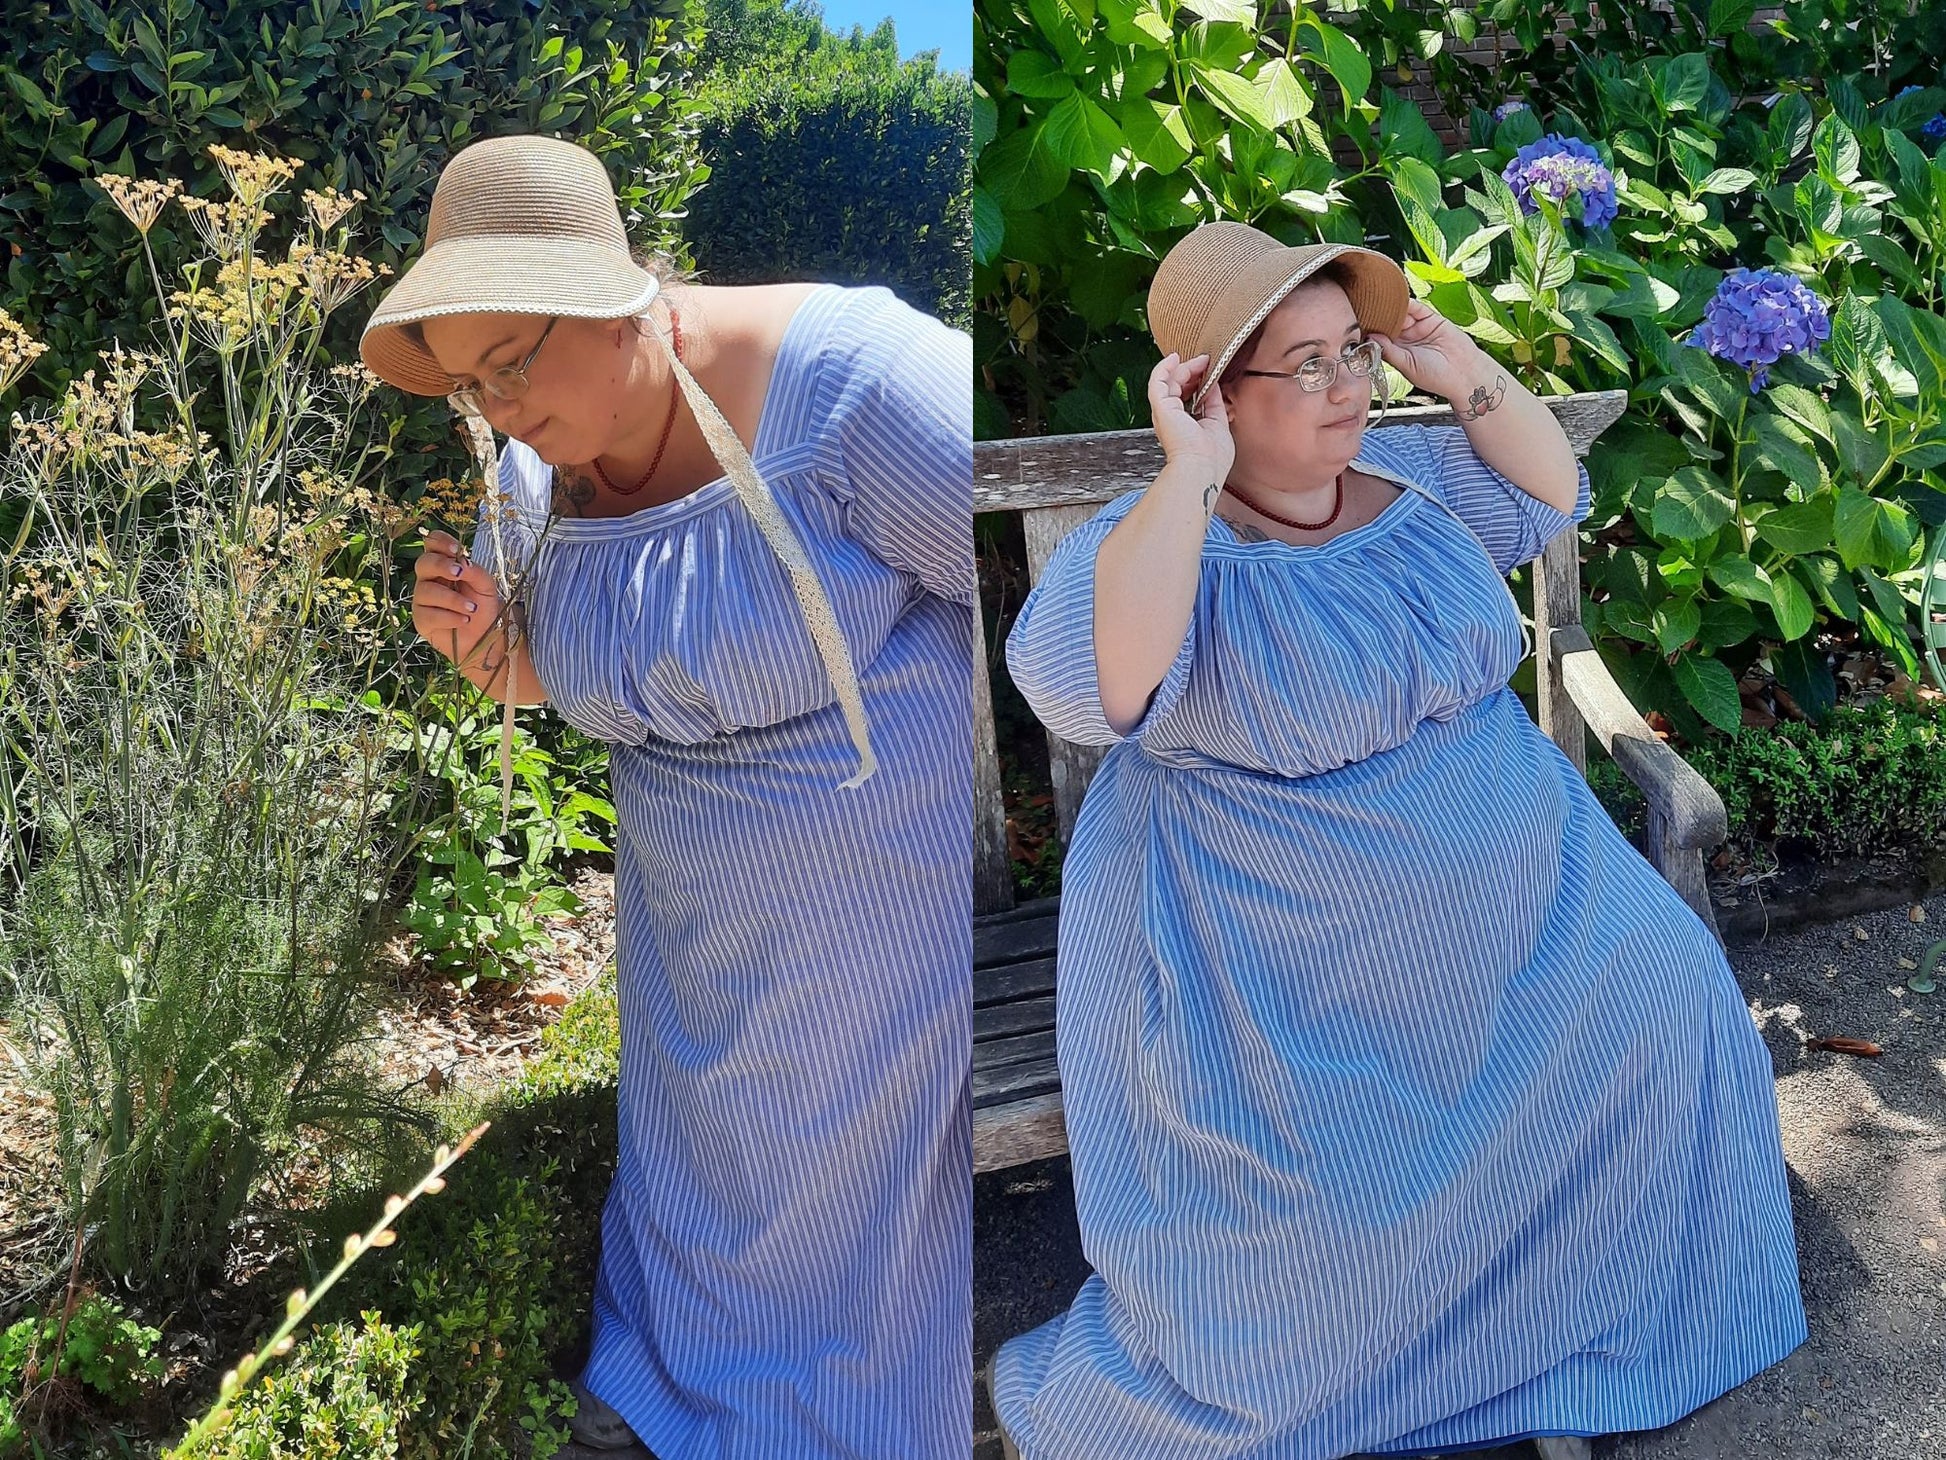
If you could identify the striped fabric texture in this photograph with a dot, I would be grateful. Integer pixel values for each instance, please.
(1409, 1108)
(786, 1250)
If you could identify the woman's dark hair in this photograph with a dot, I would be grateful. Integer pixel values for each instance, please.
(1332, 272)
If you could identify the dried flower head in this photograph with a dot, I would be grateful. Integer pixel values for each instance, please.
(227, 229)
(1758, 316)
(140, 199)
(18, 350)
(250, 294)
(1560, 168)
(329, 207)
(251, 176)
(357, 382)
(331, 277)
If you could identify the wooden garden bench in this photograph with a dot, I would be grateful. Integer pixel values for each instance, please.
(1058, 482)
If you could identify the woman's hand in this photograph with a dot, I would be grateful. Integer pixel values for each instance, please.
(1435, 355)
(452, 595)
(1203, 438)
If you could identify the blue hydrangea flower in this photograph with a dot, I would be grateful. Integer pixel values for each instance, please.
(1758, 316)
(1508, 108)
(1559, 168)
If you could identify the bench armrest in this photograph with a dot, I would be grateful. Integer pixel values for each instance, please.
(1688, 804)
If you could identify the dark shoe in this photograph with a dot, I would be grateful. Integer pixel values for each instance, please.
(1007, 1446)
(595, 1425)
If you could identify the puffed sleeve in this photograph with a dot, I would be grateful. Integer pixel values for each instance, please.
(1051, 650)
(899, 439)
(1512, 525)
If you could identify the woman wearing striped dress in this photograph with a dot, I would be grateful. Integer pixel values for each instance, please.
(766, 613)
(1409, 1108)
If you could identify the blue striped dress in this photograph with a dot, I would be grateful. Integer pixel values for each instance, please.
(1409, 1108)
(786, 1250)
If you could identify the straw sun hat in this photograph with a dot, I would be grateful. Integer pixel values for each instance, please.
(1221, 281)
(519, 225)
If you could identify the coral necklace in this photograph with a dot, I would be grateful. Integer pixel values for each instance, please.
(675, 324)
(1337, 506)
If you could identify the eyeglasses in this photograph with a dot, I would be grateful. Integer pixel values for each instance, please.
(1317, 374)
(509, 382)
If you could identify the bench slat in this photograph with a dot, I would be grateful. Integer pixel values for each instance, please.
(1087, 470)
(1021, 1016)
(1012, 981)
(1018, 1081)
(993, 873)
(1012, 1135)
(996, 942)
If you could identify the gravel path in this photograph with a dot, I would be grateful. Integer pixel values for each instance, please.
(1866, 1142)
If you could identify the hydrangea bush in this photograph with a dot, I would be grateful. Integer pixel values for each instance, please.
(1757, 317)
(1561, 168)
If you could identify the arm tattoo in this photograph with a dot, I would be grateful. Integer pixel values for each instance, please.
(1209, 497)
(1483, 399)
(573, 489)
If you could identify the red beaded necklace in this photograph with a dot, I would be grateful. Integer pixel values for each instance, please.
(1337, 507)
(675, 325)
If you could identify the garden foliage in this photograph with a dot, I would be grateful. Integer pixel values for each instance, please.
(1779, 466)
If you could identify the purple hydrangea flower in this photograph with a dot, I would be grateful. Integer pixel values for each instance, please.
(1560, 167)
(1508, 108)
(1758, 316)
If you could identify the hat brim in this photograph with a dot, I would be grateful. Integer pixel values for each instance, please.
(1379, 295)
(496, 275)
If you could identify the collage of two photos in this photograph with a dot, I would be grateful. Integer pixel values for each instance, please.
(879, 730)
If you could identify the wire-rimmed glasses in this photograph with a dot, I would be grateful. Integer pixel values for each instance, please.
(509, 382)
(1316, 374)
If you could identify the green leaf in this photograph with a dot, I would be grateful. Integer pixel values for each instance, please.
(1691, 505)
(1235, 96)
(1242, 12)
(1343, 58)
(986, 120)
(1403, 130)
(1684, 81)
(1783, 447)
(1802, 671)
(1728, 180)
(1726, 622)
(1082, 136)
(1792, 606)
(1737, 575)
(1286, 95)
(1597, 336)
(989, 226)
(1789, 128)
(1712, 689)
(1802, 406)
(1832, 585)
(1861, 449)
(1156, 133)
(1035, 73)
(1836, 149)
(1706, 380)
(1799, 527)
(1021, 170)
(1676, 623)
(1872, 532)
(1730, 17)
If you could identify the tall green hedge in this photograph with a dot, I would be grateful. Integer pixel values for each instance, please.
(850, 176)
(371, 94)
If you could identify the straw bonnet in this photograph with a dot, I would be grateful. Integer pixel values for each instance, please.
(519, 225)
(1222, 280)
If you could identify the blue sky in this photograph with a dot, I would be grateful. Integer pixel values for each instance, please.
(945, 26)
